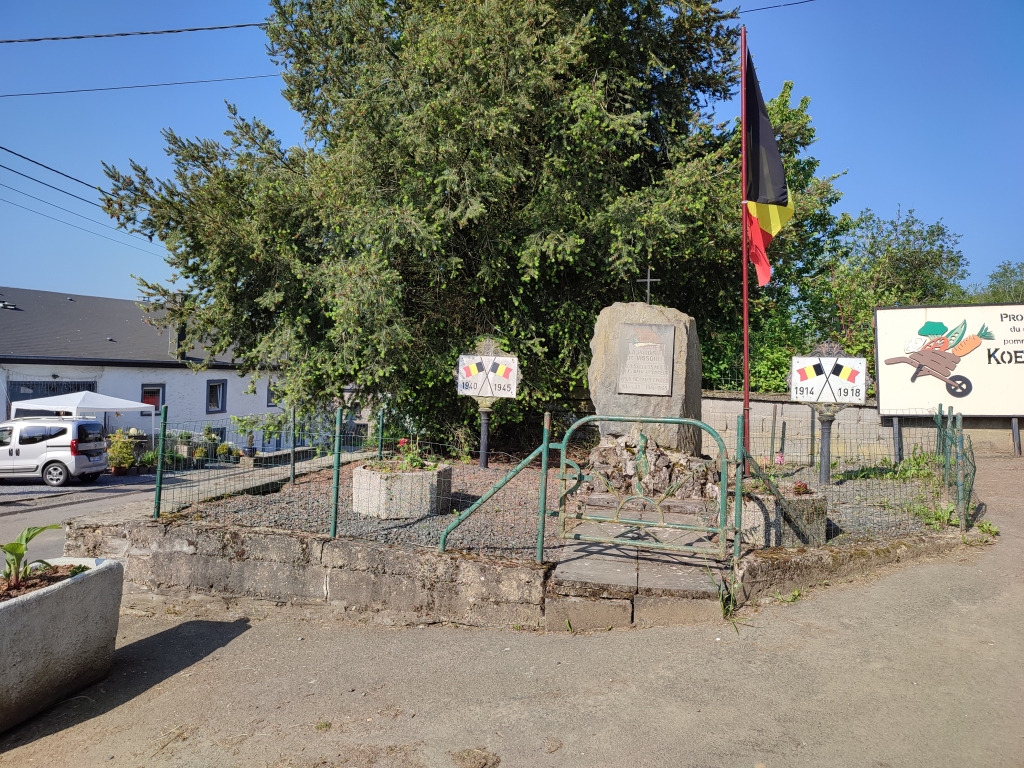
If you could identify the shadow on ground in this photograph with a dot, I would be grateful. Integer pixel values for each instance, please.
(138, 667)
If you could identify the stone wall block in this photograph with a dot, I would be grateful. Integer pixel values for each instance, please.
(504, 583)
(101, 541)
(353, 555)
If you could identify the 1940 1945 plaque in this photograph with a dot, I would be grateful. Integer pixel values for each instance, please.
(646, 359)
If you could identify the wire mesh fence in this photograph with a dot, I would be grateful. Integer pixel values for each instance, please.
(347, 479)
(340, 481)
(884, 479)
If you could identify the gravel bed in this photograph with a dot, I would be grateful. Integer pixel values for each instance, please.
(505, 526)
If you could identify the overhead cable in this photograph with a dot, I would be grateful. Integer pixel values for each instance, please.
(133, 34)
(73, 213)
(43, 165)
(61, 221)
(780, 5)
(58, 189)
(131, 87)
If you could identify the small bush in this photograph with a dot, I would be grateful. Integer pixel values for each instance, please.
(989, 529)
(121, 452)
(200, 453)
(223, 450)
(148, 459)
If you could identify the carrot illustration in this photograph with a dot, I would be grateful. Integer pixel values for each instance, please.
(972, 342)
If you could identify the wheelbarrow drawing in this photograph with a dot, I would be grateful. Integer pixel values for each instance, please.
(940, 364)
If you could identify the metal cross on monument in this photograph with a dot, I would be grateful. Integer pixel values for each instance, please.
(649, 280)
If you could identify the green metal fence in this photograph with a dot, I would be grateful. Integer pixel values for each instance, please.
(311, 475)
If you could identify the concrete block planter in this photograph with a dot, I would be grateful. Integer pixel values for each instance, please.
(397, 495)
(59, 639)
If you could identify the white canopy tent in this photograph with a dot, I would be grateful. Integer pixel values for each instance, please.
(79, 404)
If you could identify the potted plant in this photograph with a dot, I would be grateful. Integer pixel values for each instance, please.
(224, 452)
(407, 485)
(185, 443)
(147, 462)
(121, 453)
(199, 456)
(58, 624)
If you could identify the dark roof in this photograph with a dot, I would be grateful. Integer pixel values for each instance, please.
(56, 327)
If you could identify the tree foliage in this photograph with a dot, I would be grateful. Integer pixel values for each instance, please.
(884, 263)
(500, 167)
(1005, 285)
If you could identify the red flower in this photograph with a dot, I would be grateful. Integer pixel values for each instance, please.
(403, 442)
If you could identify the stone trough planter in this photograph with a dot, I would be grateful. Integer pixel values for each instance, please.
(402, 495)
(59, 639)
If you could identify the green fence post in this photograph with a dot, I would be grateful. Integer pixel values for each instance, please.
(543, 505)
(947, 448)
(380, 435)
(337, 472)
(160, 464)
(938, 431)
(738, 514)
(291, 458)
(961, 506)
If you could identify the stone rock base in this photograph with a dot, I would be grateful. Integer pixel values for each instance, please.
(617, 460)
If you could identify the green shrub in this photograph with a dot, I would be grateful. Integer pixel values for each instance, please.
(121, 452)
(223, 450)
(200, 453)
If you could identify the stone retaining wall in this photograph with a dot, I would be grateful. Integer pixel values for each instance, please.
(394, 584)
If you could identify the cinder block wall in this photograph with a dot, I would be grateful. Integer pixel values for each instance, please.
(857, 428)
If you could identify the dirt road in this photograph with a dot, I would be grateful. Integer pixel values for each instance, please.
(920, 666)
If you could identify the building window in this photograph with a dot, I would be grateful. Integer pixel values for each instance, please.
(153, 394)
(216, 396)
(271, 396)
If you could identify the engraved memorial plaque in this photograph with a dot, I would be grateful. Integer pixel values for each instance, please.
(646, 359)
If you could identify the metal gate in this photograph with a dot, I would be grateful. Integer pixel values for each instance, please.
(716, 532)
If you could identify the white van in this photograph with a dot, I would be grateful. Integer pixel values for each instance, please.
(53, 448)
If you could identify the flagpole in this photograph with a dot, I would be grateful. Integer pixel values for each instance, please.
(743, 226)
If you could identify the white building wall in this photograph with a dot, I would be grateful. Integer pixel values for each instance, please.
(185, 391)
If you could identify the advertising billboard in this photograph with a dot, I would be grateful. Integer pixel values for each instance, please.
(970, 357)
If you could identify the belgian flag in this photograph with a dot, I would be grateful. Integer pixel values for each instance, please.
(811, 371)
(845, 372)
(501, 369)
(768, 203)
(473, 369)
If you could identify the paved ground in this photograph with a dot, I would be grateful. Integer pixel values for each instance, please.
(14, 518)
(14, 489)
(920, 666)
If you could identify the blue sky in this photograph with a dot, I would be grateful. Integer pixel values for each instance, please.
(917, 101)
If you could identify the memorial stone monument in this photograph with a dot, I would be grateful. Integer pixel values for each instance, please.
(646, 362)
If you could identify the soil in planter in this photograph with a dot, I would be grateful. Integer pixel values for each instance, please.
(37, 580)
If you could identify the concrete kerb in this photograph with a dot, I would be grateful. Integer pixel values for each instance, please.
(226, 568)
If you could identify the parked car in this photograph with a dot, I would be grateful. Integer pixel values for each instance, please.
(53, 448)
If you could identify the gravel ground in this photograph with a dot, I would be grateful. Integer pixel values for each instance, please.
(505, 526)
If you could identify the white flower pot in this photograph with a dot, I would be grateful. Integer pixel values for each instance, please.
(59, 639)
(402, 495)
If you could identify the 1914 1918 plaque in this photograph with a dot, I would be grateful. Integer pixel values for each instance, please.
(646, 359)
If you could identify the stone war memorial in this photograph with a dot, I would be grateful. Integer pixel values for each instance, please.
(646, 362)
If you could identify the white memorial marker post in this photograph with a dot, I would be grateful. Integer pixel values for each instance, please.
(485, 376)
(828, 382)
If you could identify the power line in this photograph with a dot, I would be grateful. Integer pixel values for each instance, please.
(131, 87)
(74, 213)
(780, 5)
(132, 34)
(43, 165)
(61, 221)
(37, 181)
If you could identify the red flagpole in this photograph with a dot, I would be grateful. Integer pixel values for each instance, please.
(743, 226)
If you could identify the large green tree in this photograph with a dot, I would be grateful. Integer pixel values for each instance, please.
(498, 167)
